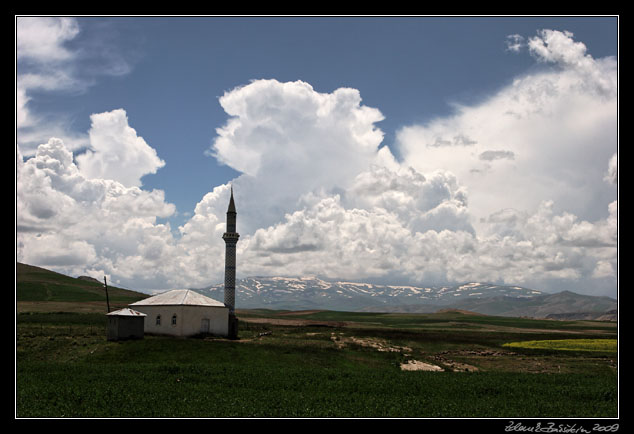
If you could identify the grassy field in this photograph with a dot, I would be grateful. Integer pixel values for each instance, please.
(66, 368)
(305, 364)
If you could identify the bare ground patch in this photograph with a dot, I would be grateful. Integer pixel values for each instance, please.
(383, 345)
(378, 344)
(416, 365)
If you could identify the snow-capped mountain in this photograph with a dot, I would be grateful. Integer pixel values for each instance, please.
(313, 293)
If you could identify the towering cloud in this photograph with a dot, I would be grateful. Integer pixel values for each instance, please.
(289, 140)
(540, 138)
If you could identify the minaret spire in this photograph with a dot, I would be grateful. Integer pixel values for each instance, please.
(232, 205)
(231, 239)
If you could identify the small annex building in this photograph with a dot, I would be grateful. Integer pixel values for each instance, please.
(125, 324)
(183, 312)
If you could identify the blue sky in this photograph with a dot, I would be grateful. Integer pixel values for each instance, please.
(410, 68)
(168, 73)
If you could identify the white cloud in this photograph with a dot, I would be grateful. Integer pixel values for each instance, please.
(612, 176)
(419, 202)
(22, 116)
(57, 251)
(80, 224)
(289, 140)
(43, 38)
(286, 126)
(331, 240)
(498, 192)
(47, 62)
(603, 269)
(40, 51)
(116, 151)
(514, 42)
(559, 48)
(539, 138)
(70, 222)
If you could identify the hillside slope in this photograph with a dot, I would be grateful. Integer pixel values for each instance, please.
(38, 285)
(563, 305)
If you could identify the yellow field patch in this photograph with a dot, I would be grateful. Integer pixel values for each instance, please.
(604, 345)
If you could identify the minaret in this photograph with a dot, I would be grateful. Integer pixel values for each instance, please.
(231, 239)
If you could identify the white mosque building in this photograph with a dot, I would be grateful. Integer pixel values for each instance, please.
(183, 312)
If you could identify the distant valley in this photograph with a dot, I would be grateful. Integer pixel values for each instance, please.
(304, 293)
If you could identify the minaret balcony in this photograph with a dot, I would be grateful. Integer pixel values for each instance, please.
(231, 236)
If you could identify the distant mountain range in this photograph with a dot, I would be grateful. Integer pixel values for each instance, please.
(35, 284)
(307, 293)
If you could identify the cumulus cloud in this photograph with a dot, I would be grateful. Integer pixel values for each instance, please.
(327, 239)
(435, 201)
(71, 222)
(332, 240)
(533, 247)
(285, 126)
(309, 190)
(116, 151)
(559, 48)
(497, 192)
(536, 139)
(289, 140)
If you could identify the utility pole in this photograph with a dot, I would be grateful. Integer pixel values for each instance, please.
(105, 284)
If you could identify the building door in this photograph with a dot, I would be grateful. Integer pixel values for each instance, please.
(204, 325)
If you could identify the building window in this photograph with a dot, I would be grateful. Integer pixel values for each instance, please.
(158, 320)
(174, 319)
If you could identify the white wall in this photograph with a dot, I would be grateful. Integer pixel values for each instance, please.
(188, 319)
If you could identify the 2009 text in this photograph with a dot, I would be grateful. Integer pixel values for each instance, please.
(552, 427)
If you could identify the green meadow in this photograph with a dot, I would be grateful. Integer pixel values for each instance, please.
(66, 368)
(313, 364)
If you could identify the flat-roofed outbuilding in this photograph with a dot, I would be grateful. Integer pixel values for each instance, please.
(125, 324)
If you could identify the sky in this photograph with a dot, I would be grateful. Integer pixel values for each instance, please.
(397, 150)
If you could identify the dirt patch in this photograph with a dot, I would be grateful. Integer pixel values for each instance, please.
(415, 365)
(455, 366)
(378, 344)
(382, 345)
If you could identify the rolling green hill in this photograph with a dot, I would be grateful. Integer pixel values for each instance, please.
(38, 285)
